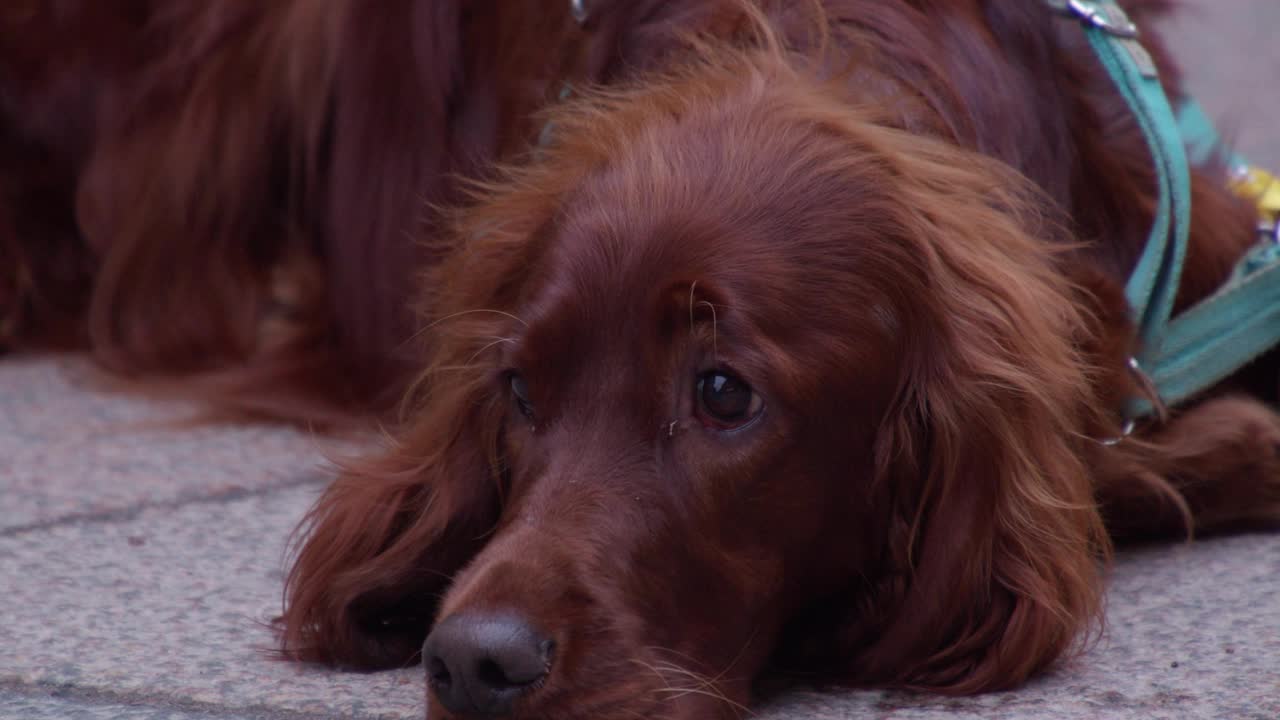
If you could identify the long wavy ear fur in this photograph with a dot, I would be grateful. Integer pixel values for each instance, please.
(998, 571)
(383, 543)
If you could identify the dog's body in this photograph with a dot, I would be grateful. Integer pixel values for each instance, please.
(767, 353)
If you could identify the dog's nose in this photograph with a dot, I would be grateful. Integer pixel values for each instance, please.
(478, 664)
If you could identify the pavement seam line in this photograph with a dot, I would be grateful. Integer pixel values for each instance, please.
(125, 514)
(99, 697)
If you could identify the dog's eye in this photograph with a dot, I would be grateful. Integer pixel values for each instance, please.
(520, 391)
(725, 401)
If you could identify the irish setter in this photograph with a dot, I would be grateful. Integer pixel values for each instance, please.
(789, 341)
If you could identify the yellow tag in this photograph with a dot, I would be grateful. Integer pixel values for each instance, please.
(1261, 187)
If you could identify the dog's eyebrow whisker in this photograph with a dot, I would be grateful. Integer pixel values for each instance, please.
(454, 368)
(692, 288)
(453, 316)
(715, 332)
(481, 351)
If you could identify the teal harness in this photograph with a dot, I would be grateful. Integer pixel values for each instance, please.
(1183, 355)
(1180, 356)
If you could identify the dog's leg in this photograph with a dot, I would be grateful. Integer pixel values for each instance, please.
(1213, 468)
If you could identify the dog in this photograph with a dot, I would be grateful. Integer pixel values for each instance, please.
(785, 337)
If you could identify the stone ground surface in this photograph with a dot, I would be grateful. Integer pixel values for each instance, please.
(138, 566)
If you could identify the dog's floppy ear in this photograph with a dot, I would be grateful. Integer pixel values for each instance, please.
(382, 545)
(998, 545)
(384, 541)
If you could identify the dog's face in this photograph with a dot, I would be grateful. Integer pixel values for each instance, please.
(732, 373)
(687, 440)
(728, 381)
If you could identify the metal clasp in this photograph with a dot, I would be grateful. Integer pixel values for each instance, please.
(1125, 432)
(1153, 396)
(1106, 16)
(578, 8)
(1269, 230)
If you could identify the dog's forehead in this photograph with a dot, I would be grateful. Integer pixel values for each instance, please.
(665, 210)
(612, 282)
(703, 220)
(627, 299)
(634, 261)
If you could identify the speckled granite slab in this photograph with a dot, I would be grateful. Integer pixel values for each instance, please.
(61, 705)
(172, 606)
(68, 452)
(138, 567)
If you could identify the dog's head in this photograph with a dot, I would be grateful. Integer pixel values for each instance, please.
(731, 372)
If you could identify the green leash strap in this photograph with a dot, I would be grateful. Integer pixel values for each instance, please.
(1153, 283)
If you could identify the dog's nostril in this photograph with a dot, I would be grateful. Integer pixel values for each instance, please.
(492, 674)
(479, 664)
(438, 672)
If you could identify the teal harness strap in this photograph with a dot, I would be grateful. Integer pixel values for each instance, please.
(1239, 322)
(1224, 332)
(1153, 284)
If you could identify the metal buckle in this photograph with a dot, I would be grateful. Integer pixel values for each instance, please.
(1125, 432)
(578, 8)
(1149, 389)
(1107, 17)
(1270, 230)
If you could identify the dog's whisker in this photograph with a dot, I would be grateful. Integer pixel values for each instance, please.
(481, 351)
(675, 693)
(715, 332)
(700, 684)
(741, 651)
(455, 368)
(693, 287)
(453, 316)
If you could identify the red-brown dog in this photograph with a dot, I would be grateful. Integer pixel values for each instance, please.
(793, 346)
